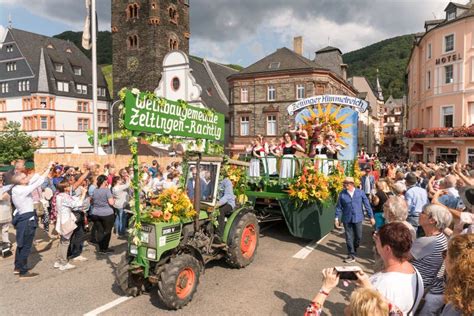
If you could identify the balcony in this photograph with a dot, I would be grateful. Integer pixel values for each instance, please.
(441, 132)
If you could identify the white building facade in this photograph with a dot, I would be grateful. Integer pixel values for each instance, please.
(46, 86)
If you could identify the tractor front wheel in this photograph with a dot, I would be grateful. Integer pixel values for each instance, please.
(179, 281)
(129, 283)
(243, 241)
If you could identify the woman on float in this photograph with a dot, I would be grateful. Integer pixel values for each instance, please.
(301, 136)
(319, 152)
(258, 151)
(289, 148)
(273, 152)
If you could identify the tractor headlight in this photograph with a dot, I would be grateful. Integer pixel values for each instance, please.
(145, 237)
(151, 253)
(133, 250)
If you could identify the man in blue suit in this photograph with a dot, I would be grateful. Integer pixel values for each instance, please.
(368, 182)
(349, 206)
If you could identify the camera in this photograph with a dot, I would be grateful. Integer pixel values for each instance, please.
(347, 272)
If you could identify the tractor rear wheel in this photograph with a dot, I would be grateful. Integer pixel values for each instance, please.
(179, 281)
(129, 283)
(243, 241)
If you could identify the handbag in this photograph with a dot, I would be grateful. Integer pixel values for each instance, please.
(68, 226)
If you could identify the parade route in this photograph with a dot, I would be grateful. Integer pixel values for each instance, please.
(276, 283)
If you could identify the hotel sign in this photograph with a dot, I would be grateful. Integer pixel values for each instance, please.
(448, 59)
(360, 105)
(171, 118)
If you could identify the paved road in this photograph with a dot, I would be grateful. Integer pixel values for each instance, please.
(276, 283)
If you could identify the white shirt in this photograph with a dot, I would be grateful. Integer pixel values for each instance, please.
(21, 194)
(399, 289)
(351, 193)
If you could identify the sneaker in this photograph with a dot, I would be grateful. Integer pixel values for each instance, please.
(28, 275)
(67, 266)
(16, 271)
(80, 258)
(106, 251)
(57, 265)
(349, 259)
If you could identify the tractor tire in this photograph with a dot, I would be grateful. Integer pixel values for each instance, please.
(179, 281)
(243, 241)
(129, 283)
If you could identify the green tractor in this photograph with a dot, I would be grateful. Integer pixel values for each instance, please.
(175, 254)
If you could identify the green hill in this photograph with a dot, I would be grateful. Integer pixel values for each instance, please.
(390, 56)
(104, 44)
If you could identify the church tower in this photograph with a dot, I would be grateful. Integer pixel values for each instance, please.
(143, 32)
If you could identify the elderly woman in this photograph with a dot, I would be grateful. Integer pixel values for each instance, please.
(399, 282)
(395, 209)
(427, 254)
(460, 286)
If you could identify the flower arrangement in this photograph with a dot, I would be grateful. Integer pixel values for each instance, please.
(462, 131)
(171, 205)
(336, 180)
(238, 176)
(311, 186)
(357, 174)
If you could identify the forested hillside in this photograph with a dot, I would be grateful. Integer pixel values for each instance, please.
(390, 56)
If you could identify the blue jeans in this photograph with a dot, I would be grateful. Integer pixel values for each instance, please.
(25, 233)
(121, 222)
(353, 233)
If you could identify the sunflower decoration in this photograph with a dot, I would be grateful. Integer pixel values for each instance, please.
(331, 121)
(171, 205)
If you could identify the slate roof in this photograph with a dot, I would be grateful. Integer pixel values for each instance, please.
(56, 51)
(287, 59)
(210, 95)
(329, 49)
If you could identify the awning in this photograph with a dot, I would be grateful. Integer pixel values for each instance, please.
(417, 148)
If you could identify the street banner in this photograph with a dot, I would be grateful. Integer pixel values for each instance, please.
(166, 117)
(358, 104)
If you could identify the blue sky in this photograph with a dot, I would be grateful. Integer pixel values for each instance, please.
(242, 32)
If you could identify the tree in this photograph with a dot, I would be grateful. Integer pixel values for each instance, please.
(16, 144)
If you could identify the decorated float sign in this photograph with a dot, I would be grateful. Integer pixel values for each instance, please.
(358, 104)
(173, 118)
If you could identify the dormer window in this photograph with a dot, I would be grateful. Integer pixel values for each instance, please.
(451, 15)
(11, 66)
(68, 50)
(58, 67)
(50, 46)
(274, 65)
(9, 48)
(77, 71)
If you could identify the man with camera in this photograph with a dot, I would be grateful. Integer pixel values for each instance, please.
(350, 208)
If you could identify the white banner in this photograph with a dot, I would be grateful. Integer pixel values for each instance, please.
(360, 105)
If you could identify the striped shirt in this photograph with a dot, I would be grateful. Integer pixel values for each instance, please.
(428, 258)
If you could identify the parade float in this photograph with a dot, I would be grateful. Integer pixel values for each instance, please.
(171, 236)
(306, 202)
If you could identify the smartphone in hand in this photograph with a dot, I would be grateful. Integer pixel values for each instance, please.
(347, 272)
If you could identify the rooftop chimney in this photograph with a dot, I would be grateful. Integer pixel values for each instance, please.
(298, 45)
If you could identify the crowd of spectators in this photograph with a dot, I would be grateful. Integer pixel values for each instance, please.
(77, 205)
(423, 238)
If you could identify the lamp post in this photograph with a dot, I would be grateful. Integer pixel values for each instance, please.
(111, 114)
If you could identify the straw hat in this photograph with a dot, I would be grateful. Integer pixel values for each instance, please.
(348, 180)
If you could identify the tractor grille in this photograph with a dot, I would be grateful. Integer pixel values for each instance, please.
(173, 237)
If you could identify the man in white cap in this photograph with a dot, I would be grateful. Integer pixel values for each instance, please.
(350, 208)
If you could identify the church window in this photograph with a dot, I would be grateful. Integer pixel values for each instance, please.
(173, 43)
(132, 42)
(173, 15)
(132, 11)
